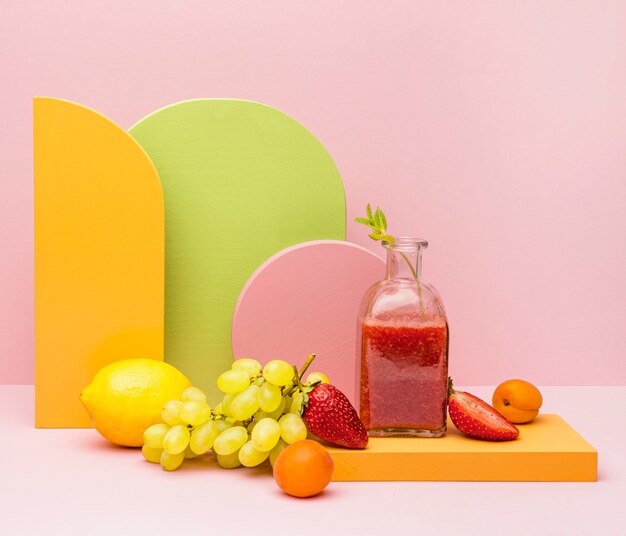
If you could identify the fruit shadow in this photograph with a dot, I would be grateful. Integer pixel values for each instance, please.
(326, 494)
(208, 462)
(95, 442)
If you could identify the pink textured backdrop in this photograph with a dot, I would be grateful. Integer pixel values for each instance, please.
(497, 130)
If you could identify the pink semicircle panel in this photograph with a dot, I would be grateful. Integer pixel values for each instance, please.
(303, 300)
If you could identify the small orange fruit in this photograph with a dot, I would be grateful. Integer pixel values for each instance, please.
(518, 400)
(304, 468)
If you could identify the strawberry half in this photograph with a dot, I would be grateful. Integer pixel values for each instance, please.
(477, 419)
(329, 415)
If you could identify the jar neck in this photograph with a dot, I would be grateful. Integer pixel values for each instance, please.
(404, 258)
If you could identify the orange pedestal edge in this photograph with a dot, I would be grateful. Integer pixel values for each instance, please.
(547, 450)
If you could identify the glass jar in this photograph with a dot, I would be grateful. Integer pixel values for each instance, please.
(402, 363)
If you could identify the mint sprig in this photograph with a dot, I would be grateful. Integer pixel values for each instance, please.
(377, 222)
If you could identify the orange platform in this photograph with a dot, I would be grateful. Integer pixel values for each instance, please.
(548, 449)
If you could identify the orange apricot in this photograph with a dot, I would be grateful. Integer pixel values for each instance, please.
(518, 400)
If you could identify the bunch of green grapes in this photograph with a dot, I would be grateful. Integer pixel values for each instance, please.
(259, 415)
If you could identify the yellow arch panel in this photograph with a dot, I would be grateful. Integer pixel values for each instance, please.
(99, 255)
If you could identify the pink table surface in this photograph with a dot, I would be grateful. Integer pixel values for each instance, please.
(74, 482)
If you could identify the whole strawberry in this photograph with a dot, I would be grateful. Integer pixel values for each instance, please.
(329, 415)
(477, 419)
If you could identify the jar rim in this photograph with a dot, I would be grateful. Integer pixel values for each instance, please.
(404, 242)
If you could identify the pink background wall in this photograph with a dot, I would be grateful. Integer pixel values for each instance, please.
(496, 130)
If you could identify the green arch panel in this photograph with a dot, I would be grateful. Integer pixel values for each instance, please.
(241, 181)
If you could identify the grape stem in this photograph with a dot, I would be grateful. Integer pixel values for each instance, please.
(297, 378)
(298, 375)
(306, 365)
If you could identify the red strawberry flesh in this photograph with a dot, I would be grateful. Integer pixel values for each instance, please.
(330, 416)
(479, 420)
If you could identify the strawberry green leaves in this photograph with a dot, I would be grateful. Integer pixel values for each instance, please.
(377, 222)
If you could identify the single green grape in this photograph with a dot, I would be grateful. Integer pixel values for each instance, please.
(190, 454)
(230, 440)
(287, 406)
(245, 404)
(233, 381)
(176, 439)
(226, 402)
(266, 434)
(251, 457)
(153, 436)
(275, 452)
(228, 461)
(317, 377)
(193, 393)
(279, 410)
(222, 424)
(292, 428)
(203, 437)
(171, 462)
(151, 454)
(250, 366)
(195, 413)
(255, 419)
(278, 372)
(296, 403)
(171, 412)
(269, 397)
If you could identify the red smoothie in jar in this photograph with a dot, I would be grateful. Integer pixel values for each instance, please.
(404, 374)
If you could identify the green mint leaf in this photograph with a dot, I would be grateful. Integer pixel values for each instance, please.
(377, 222)
(383, 220)
(378, 218)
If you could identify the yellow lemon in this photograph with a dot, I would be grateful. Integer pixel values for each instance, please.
(127, 396)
